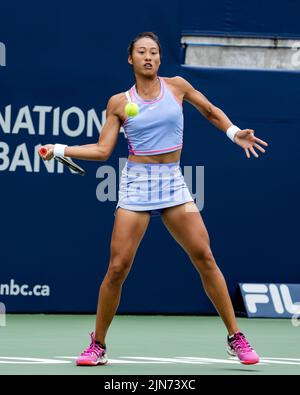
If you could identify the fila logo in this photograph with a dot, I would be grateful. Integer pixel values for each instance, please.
(276, 294)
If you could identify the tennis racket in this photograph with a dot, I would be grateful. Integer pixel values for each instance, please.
(65, 161)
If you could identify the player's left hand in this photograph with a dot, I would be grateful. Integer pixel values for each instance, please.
(245, 138)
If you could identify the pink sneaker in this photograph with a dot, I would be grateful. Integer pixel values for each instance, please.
(239, 346)
(93, 355)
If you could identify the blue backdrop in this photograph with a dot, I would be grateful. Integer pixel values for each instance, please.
(63, 62)
(277, 18)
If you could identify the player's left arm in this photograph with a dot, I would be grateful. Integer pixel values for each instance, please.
(244, 138)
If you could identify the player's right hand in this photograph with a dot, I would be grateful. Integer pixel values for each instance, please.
(49, 155)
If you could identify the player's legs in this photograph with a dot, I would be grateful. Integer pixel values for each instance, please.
(187, 227)
(129, 229)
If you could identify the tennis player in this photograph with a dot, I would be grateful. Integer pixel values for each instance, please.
(154, 139)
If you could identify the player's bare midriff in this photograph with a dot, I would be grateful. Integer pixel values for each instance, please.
(169, 157)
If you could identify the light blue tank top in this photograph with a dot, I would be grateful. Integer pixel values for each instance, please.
(158, 128)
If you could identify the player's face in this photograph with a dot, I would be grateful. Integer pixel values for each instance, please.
(145, 57)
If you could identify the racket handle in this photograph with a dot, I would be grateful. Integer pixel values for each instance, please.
(43, 151)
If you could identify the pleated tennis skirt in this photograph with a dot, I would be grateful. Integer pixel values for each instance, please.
(152, 187)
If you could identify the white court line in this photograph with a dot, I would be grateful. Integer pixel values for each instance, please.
(198, 360)
(279, 362)
(284, 359)
(18, 360)
(149, 360)
(165, 360)
(116, 360)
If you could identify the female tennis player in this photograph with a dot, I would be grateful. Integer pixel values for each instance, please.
(155, 138)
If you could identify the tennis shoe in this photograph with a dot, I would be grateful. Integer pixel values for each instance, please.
(239, 346)
(93, 355)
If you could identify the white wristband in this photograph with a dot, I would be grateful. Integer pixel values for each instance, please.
(59, 149)
(232, 131)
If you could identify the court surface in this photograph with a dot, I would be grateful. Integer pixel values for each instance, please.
(42, 344)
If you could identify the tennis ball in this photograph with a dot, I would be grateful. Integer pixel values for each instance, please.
(132, 109)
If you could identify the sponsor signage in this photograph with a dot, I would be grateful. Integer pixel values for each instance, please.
(271, 300)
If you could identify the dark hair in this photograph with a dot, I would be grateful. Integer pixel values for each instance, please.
(151, 35)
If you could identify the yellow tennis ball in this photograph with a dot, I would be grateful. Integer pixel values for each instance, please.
(132, 109)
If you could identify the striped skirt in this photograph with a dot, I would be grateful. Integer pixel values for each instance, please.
(152, 187)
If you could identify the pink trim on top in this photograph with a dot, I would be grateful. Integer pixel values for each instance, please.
(130, 147)
(160, 150)
(132, 93)
(126, 118)
(161, 95)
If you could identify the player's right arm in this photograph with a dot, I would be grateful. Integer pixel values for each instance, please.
(101, 150)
